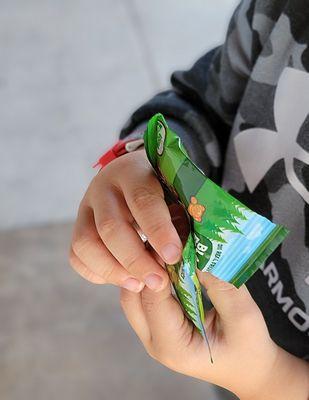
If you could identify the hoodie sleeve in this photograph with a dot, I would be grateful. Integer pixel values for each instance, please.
(203, 101)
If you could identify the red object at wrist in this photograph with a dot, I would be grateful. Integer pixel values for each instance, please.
(120, 148)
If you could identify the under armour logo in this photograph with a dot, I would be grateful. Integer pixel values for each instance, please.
(259, 149)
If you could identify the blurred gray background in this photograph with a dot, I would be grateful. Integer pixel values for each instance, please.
(71, 71)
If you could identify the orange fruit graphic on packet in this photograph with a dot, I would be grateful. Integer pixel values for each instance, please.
(195, 209)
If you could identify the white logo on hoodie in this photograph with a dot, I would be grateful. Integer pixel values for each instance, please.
(259, 149)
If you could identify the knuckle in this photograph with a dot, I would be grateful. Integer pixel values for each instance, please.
(130, 263)
(93, 278)
(220, 285)
(157, 227)
(98, 178)
(148, 303)
(83, 271)
(142, 197)
(107, 273)
(108, 227)
(124, 299)
(80, 243)
(88, 275)
(217, 285)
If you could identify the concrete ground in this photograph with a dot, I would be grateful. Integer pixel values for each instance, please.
(71, 71)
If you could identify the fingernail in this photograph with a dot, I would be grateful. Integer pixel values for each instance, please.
(133, 285)
(170, 253)
(154, 281)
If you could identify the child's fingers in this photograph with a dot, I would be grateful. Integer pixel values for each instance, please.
(84, 271)
(162, 311)
(114, 225)
(232, 304)
(145, 200)
(89, 251)
(132, 307)
(167, 323)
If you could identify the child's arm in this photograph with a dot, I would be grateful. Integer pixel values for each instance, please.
(246, 360)
(204, 100)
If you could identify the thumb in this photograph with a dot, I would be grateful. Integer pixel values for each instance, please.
(231, 304)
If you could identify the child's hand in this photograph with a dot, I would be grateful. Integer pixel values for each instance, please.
(105, 247)
(246, 360)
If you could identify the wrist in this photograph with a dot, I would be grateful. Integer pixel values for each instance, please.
(288, 379)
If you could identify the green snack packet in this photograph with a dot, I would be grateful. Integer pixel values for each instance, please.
(226, 238)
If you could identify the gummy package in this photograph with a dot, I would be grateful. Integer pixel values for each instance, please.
(226, 238)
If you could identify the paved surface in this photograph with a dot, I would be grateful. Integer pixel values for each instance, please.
(62, 338)
(70, 73)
